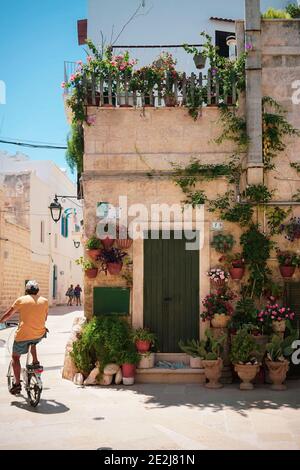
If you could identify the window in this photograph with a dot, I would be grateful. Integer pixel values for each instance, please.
(42, 232)
(221, 38)
(64, 226)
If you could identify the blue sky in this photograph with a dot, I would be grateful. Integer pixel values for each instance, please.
(36, 37)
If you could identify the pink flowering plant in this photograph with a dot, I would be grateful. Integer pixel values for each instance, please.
(217, 304)
(275, 313)
(218, 275)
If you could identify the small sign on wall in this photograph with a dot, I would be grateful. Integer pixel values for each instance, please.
(217, 226)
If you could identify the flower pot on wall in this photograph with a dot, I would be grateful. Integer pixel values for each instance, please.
(114, 268)
(107, 242)
(91, 273)
(93, 254)
(278, 372)
(220, 321)
(287, 272)
(124, 244)
(237, 273)
(279, 326)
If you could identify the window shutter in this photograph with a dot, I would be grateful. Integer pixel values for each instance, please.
(82, 31)
(221, 38)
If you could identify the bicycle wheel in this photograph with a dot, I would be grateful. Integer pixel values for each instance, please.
(34, 389)
(10, 376)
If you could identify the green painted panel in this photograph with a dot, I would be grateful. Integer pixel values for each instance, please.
(111, 301)
(171, 291)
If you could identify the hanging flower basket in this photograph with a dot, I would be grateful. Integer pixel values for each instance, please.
(199, 61)
(91, 273)
(107, 242)
(114, 268)
(124, 244)
(237, 274)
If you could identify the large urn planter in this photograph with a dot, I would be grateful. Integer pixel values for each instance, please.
(114, 268)
(247, 373)
(142, 346)
(278, 372)
(147, 361)
(287, 272)
(220, 321)
(237, 274)
(213, 372)
(91, 273)
(279, 326)
(107, 243)
(124, 244)
(94, 254)
(196, 363)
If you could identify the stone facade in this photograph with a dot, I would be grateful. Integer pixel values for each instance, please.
(130, 152)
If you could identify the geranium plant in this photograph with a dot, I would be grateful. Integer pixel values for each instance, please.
(287, 258)
(218, 276)
(275, 313)
(234, 260)
(217, 304)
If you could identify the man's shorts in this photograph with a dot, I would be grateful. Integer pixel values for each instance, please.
(22, 347)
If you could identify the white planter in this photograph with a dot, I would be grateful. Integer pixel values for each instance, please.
(196, 363)
(147, 361)
(128, 380)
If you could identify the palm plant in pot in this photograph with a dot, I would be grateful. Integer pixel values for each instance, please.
(192, 348)
(130, 360)
(243, 356)
(91, 271)
(278, 352)
(93, 246)
(112, 261)
(210, 351)
(288, 261)
(218, 308)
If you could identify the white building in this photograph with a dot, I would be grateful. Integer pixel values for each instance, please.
(29, 188)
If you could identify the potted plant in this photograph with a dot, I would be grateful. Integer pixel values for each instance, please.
(278, 352)
(223, 243)
(112, 260)
(291, 229)
(123, 241)
(107, 238)
(192, 348)
(93, 246)
(242, 355)
(218, 277)
(218, 308)
(273, 291)
(199, 57)
(236, 266)
(144, 80)
(210, 351)
(245, 313)
(130, 359)
(288, 261)
(89, 268)
(276, 316)
(143, 340)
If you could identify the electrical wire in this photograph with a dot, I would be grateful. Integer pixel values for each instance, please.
(33, 145)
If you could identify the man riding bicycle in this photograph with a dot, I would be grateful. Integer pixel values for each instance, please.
(33, 310)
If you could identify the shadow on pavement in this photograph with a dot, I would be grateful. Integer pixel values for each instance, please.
(46, 407)
(230, 397)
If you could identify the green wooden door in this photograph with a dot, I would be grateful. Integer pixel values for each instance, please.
(171, 291)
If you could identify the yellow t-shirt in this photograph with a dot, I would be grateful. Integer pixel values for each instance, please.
(33, 311)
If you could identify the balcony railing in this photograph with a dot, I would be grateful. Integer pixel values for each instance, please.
(194, 90)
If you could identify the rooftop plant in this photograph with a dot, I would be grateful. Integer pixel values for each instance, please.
(273, 13)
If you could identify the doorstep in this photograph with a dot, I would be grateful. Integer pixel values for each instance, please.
(170, 376)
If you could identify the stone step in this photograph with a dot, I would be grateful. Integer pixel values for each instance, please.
(170, 376)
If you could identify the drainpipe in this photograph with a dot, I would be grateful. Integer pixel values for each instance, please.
(255, 173)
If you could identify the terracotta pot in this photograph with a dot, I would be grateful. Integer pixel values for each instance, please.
(93, 254)
(278, 372)
(170, 101)
(237, 273)
(114, 268)
(279, 326)
(91, 273)
(107, 243)
(247, 373)
(147, 361)
(287, 272)
(213, 372)
(142, 346)
(220, 321)
(124, 244)
(196, 363)
(128, 370)
(199, 61)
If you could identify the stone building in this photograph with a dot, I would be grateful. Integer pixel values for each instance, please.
(131, 152)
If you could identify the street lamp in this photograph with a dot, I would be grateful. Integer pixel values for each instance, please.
(55, 210)
(76, 244)
(232, 44)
